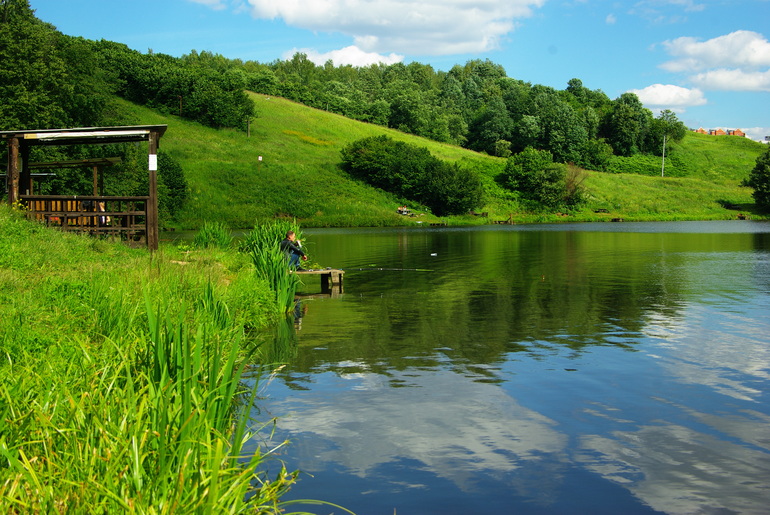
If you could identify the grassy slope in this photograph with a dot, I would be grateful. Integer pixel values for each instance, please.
(299, 175)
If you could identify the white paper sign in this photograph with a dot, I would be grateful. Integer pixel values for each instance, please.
(153, 162)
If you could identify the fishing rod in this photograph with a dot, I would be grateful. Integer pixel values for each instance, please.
(387, 269)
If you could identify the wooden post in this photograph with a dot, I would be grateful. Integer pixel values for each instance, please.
(96, 180)
(13, 170)
(152, 202)
(25, 176)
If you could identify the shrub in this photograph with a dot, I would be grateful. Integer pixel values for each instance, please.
(759, 179)
(213, 234)
(542, 182)
(262, 245)
(412, 172)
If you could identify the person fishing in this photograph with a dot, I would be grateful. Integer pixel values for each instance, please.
(292, 247)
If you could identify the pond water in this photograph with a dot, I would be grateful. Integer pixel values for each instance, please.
(581, 368)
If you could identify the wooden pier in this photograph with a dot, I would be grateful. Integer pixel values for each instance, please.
(331, 278)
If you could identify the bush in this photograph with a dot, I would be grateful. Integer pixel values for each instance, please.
(759, 179)
(412, 172)
(213, 234)
(534, 175)
(172, 186)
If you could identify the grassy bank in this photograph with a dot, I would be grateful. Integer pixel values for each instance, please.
(298, 176)
(122, 385)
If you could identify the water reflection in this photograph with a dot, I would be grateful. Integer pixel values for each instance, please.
(453, 426)
(675, 469)
(534, 371)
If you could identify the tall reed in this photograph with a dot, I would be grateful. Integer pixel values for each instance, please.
(154, 420)
(121, 379)
(213, 234)
(262, 244)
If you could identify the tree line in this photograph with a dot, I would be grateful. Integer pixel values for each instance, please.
(50, 79)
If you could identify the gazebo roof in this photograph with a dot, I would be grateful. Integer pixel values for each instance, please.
(84, 135)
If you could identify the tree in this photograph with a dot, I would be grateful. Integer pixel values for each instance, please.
(412, 172)
(450, 189)
(598, 154)
(627, 126)
(670, 128)
(47, 80)
(560, 130)
(541, 181)
(759, 179)
(527, 132)
(490, 126)
(172, 176)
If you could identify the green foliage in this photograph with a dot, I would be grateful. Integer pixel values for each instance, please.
(542, 182)
(299, 177)
(201, 87)
(520, 165)
(598, 155)
(138, 382)
(451, 189)
(172, 196)
(47, 80)
(628, 125)
(475, 105)
(759, 179)
(270, 262)
(412, 172)
(213, 234)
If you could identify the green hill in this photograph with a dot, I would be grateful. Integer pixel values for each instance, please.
(299, 176)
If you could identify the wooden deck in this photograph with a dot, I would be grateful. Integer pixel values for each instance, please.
(331, 278)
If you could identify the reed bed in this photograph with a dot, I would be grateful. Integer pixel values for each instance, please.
(122, 386)
(262, 244)
(213, 234)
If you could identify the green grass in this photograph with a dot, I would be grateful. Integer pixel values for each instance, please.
(299, 178)
(121, 381)
(642, 198)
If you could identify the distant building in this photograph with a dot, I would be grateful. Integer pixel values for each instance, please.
(721, 132)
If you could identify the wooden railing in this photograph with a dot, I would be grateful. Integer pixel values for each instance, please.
(124, 217)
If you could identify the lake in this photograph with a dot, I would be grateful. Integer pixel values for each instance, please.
(578, 368)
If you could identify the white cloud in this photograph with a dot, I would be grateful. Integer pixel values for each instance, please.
(611, 19)
(430, 27)
(740, 49)
(668, 96)
(349, 55)
(757, 133)
(739, 61)
(733, 80)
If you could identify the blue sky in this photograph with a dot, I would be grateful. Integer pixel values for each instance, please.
(707, 60)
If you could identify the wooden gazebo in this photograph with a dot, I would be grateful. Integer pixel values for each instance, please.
(130, 217)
